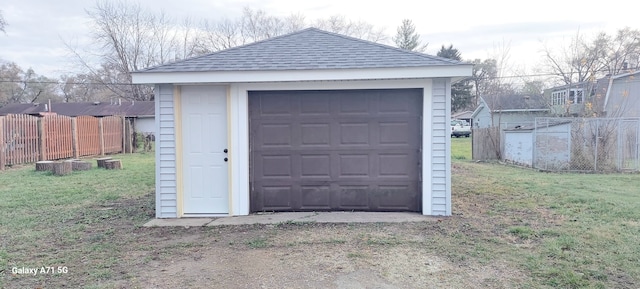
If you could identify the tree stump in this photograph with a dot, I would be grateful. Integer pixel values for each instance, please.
(80, 166)
(101, 162)
(44, 166)
(62, 168)
(113, 165)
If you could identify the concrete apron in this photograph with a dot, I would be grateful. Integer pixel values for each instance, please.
(297, 217)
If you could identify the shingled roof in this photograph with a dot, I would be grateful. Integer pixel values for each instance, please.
(128, 109)
(515, 102)
(308, 49)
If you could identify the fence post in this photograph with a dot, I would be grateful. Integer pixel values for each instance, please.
(124, 134)
(101, 133)
(42, 146)
(74, 138)
(3, 149)
(127, 136)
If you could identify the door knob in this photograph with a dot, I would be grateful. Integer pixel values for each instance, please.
(226, 159)
(225, 151)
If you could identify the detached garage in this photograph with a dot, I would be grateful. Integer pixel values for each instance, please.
(308, 121)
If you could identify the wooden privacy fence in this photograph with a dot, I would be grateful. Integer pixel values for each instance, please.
(27, 139)
(88, 135)
(57, 137)
(486, 144)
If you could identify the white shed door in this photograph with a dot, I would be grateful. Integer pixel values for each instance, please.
(204, 141)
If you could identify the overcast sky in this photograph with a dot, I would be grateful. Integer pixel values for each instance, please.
(38, 29)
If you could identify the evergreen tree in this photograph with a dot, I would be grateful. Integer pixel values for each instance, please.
(461, 91)
(406, 38)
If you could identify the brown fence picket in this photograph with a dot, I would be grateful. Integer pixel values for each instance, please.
(20, 139)
(57, 137)
(3, 150)
(88, 135)
(112, 131)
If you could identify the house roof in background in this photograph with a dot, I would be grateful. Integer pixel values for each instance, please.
(126, 108)
(515, 102)
(549, 123)
(307, 49)
(600, 83)
(462, 114)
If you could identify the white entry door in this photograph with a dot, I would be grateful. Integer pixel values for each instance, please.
(204, 141)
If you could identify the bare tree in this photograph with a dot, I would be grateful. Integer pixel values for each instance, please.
(83, 87)
(621, 51)
(24, 86)
(3, 23)
(256, 25)
(130, 38)
(574, 63)
(583, 60)
(340, 24)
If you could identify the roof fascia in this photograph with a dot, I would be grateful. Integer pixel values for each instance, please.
(436, 71)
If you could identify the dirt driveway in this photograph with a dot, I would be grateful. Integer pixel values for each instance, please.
(312, 256)
(107, 247)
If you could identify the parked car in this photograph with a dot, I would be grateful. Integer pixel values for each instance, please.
(460, 128)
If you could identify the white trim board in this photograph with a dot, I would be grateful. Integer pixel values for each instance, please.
(211, 77)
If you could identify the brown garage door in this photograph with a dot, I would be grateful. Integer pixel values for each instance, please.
(335, 150)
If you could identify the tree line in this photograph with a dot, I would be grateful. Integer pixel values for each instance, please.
(126, 37)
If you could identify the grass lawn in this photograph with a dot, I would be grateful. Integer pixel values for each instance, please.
(511, 227)
(461, 148)
(69, 221)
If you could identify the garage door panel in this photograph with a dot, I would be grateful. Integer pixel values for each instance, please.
(315, 166)
(354, 103)
(274, 135)
(354, 134)
(315, 134)
(395, 196)
(399, 104)
(274, 104)
(276, 166)
(395, 165)
(354, 196)
(345, 150)
(315, 197)
(316, 104)
(353, 165)
(395, 133)
(277, 196)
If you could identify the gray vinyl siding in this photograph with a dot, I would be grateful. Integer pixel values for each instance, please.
(483, 117)
(166, 188)
(440, 148)
(624, 97)
(509, 120)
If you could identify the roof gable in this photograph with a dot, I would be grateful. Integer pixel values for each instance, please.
(308, 49)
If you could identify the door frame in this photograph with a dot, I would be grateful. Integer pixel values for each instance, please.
(239, 131)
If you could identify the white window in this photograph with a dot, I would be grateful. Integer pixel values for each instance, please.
(569, 96)
(559, 97)
(578, 95)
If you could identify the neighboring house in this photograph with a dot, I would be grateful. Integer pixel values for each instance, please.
(140, 113)
(464, 115)
(610, 96)
(570, 100)
(509, 111)
(306, 121)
